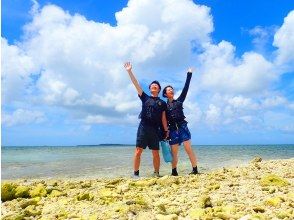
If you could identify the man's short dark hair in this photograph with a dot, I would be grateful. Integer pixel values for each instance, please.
(155, 82)
(164, 90)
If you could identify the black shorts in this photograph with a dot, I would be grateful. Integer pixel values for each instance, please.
(147, 136)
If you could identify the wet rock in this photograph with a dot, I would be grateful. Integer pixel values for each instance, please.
(86, 185)
(213, 186)
(185, 197)
(256, 160)
(258, 209)
(15, 216)
(276, 201)
(31, 210)
(273, 180)
(288, 214)
(27, 202)
(205, 202)
(56, 193)
(22, 192)
(173, 210)
(144, 183)
(167, 180)
(85, 196)
(8, 191)
(38, 191)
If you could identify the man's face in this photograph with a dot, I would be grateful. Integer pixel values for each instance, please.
(154, 88)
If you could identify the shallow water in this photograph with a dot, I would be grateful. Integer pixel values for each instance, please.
(114, 161)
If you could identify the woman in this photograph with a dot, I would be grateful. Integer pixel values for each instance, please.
(178, 129)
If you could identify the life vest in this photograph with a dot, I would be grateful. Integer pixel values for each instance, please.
(152, 111)
(175, 112)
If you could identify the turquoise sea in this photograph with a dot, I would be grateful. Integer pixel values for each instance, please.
(114, 161)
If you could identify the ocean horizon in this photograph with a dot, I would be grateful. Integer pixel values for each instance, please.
(116, 160)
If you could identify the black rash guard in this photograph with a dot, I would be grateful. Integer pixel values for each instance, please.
(152, 108)
(174, 113)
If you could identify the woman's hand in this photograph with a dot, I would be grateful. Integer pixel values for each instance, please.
(128, 66)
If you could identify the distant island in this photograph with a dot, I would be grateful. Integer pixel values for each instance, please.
(84, 145)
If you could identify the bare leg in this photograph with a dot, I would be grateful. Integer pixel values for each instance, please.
(189, 150)
(175, 150)
(137, 158)
(156, 160)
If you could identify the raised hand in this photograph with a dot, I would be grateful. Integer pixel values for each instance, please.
(190, 70)
(128, 66)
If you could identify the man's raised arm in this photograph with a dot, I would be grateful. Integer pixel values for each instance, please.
(128, 67)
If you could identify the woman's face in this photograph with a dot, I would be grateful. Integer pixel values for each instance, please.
(169, 92)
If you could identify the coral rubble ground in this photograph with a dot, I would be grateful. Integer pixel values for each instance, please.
(260, 190)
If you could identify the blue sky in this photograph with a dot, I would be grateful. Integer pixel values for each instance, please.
(63, 81)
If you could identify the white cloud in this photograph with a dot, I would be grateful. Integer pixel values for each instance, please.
(101, 119)
(246, 118)
(96, 119)
(17, 68)
(223, 72)
(192, 112)
(213, 115)
(80, 64)
(274, 101)
(22, 116)
(284, 41)
(261, 37)
(240, 102)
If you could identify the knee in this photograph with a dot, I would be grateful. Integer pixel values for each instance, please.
(155, 154)
(138, 152)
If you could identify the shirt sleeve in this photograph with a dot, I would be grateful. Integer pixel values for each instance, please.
(183, 95)
(164, 106)
(143, 96)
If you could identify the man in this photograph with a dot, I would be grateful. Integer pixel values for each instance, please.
(152, 117)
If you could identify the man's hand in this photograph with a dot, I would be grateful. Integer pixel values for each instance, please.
(190, 70)
(128, 66)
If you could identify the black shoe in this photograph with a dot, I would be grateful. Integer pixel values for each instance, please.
(194, 171)
(174, 172)
(156, 174)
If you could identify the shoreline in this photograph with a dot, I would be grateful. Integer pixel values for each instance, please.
(259, 190)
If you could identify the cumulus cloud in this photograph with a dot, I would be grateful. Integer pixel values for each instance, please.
(274, 101)
(22, 116)
(261, 37)
(213, 115)
(224, 72)
(17, 69)
(284, 41)
(80, 62)
(67, 61)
